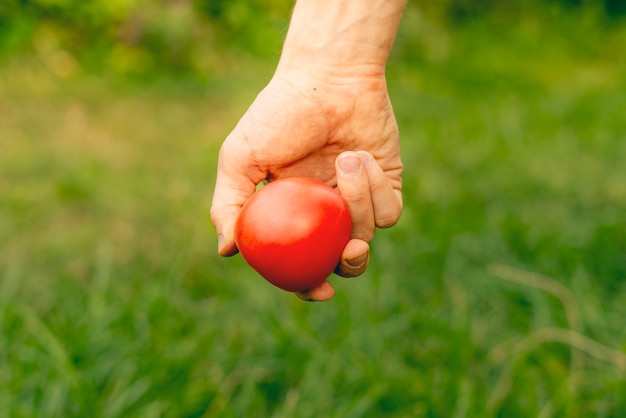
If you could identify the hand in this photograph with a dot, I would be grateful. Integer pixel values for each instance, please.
(339, 130)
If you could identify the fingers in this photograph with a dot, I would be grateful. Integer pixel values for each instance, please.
(386, 201)
(227, 203)
(372, 201)
(320, 293)
(353, 263)
(353, 185)
(233, 187)
(354, 259)
(369, 193)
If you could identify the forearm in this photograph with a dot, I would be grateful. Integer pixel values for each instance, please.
(342, 37)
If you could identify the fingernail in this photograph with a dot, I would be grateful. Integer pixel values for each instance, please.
(349, 164)
(358, 261)
(365, 157)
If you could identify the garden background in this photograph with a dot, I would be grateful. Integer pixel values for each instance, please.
(500, 293)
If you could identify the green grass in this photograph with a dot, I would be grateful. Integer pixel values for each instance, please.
(501, 292)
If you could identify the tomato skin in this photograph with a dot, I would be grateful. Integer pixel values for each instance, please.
(293, 231)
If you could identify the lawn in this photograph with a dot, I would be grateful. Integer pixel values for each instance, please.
(500, 293)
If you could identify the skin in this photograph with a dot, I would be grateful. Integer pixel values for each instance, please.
(326, 114)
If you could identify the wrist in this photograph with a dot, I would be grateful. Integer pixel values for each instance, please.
(341, 37)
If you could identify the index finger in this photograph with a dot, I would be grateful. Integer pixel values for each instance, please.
(233, 186)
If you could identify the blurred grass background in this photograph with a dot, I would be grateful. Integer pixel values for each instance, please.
(501, 292)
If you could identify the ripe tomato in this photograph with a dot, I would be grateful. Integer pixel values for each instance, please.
(292, 231)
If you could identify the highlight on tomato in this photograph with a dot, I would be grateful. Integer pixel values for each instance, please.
(293, 231)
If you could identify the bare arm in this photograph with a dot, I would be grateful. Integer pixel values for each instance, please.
(342, 38)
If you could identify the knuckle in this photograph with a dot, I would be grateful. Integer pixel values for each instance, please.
(215, 215)
(355, 195)
(388, 218)
(364, 234)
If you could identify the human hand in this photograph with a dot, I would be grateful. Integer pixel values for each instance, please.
(341, 130)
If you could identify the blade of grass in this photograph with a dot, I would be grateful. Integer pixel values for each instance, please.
(559, 291)
(48, 342)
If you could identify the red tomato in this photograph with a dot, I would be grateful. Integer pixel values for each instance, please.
(292, 231)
